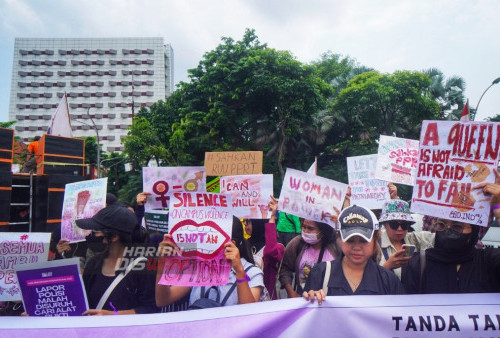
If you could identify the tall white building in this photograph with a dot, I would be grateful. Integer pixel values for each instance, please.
(110, 78)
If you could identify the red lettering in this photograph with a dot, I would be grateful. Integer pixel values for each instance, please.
(431, 135)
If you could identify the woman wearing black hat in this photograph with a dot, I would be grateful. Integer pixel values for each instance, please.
(111, 288)
(357, 272)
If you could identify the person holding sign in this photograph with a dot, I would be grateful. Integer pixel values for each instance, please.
(317, 243)
(111, 290)
(357, 272)
(454, 265)
(245, 280)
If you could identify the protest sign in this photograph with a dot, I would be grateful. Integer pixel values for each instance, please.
(229, 163)
(397, 160)
(366, 190)
(160, 182)
(312, 197)
(81, 200)
(200, 225)
(52, 289)
(17, 248)
(455, 157)
(250, 194)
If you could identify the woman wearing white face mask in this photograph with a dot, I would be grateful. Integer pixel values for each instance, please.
(316, 243)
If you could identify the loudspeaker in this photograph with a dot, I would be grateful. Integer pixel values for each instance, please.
(6, 149)
(5, 197)
(56, 185)
(62, 156)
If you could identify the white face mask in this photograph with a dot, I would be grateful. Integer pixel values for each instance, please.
(310, 238)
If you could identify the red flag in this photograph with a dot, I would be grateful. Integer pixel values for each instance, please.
(465, 112)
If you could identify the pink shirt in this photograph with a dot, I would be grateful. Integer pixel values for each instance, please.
(308, 260)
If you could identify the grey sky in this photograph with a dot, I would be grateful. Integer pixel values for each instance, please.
(459, 37)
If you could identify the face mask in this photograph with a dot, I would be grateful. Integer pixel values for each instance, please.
(452, 240)
(310, 238)
(95, 243)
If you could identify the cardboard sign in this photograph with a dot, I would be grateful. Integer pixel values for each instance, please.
(366, 190)
(200, 225)
(455, 157)
(312, 197)
(81, 200)
(18, 248)
(233, 163)
(250, 194)
(53, 289)
(162, 181)
(397, 160)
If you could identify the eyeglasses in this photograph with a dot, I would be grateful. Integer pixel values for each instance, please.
(457, 227)
(396, 224)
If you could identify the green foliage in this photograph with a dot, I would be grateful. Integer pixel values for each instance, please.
(244, 95)
(7, 124)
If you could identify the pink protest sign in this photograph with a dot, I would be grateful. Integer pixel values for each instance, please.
(18, 248)
(249, 194)
(455, 157)
(200, 225)
(311, 197)
(81, 200)
(366, 190)
(397, 160)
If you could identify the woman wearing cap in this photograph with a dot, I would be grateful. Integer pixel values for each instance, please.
(111, 290)
(454, 265)
(317, 243)
(397, 220)
(244, 275)
(357, 272)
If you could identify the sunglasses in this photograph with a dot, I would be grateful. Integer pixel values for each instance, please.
(396, 224)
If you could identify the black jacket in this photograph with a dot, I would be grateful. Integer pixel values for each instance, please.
(135, 291)
(377, 280)
(480, 274)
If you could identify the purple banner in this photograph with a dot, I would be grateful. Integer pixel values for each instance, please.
(470, 315)
(52, 289)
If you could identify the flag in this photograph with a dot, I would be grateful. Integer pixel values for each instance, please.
(465, 112)
(61, 123)
(314, 167)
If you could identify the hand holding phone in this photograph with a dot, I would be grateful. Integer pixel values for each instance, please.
(409, 249)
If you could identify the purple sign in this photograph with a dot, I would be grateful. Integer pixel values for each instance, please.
(52, 289)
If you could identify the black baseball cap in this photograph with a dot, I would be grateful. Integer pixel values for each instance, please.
(114, 218)
(357, 221)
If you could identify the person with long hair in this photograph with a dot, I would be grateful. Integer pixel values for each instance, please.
(357, 272)
(244, 274)
(316, 243)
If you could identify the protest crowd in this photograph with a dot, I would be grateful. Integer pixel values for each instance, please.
(350, 249)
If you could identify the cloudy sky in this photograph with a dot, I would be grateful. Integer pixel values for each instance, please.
(459, 37)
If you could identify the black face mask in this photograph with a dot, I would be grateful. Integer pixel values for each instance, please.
(95, 243)
(452, 240)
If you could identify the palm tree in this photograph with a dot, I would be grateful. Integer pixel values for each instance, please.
(448, 93)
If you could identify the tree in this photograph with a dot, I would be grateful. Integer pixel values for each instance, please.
(370, 105)
(389, 104)
(448, 93)
(246, 96)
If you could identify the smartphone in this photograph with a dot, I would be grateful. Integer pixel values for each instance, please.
(409, 249)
